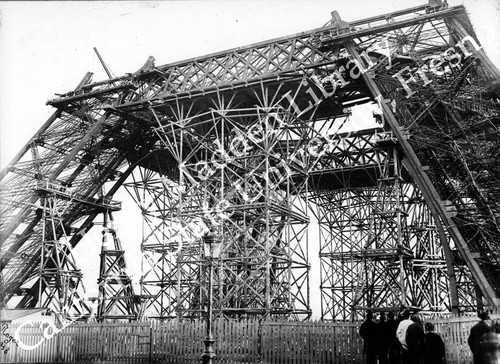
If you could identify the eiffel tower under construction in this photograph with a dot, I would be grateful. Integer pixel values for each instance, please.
(248, 144)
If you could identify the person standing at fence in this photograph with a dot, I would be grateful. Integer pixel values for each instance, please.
(393, 344)
(434, 351)
(489, 345)
(401, 334)
(476, 332)
(368, 331)
(383, 337)
(415, 341)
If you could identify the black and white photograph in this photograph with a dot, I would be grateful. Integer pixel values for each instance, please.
(267, 181)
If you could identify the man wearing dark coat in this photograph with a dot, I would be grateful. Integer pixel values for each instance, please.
(415, 341)
(368, 331)
(490, 345)
(476, 332)
(383, 338)
(394, 345)
(434, 351)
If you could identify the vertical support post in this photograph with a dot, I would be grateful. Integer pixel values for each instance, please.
(399, 225)
(452, 278)
(58, 347)
(150, 343)
(209, 353)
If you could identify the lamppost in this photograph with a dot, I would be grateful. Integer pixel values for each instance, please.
(211, 245)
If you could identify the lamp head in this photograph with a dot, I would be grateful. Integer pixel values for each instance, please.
(212, 245)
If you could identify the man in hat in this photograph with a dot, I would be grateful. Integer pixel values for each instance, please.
(401, 334)
(415, 341)
(368, 331)
(489, 346)
(434, 350)
(476, 332)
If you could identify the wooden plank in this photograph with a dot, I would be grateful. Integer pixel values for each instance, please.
(80, 341)
(318, 344)
(280, 358)
(264, 344)
(89, 342)
(227, 334)
(157, 336)
(240, 329)
(291, 345)
(113, 337)
(288, 331)
(127, 346)
(64, 348)
(273, 351)
(109, 343)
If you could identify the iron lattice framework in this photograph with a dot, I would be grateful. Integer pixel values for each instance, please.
(246, 189)
(116, 299)
(248, 143)
(60, 286)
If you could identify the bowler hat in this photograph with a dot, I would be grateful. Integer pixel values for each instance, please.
(483, 315)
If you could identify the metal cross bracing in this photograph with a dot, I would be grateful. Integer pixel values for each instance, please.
(116, 299)
(60, 285)
(455, 132)
(239, 186)
(78, 150)
(244, 142)
(378, 242)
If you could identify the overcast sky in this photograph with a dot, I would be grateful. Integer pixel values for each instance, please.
(47, 47)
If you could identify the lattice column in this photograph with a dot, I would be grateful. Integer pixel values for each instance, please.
(343, 228)
(166, 285)
(383, 274)
(440, 286)
(364, 240)
(116, 300)
(432, 288)
(61, 287)
(346, 197)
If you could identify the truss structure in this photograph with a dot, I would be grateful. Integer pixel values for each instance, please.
(235, 178)
(378, 240)
(116, 299)
(60, 285)
(248, 143)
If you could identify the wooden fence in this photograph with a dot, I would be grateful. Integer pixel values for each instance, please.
(181, 342)
(310, 342)
(454, 332)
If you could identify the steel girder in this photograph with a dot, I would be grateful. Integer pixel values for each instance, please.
(280, 58)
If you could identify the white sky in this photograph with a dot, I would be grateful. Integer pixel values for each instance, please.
(47, 47)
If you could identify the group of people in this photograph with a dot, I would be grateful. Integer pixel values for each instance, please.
(404, 340)
(400, 340)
